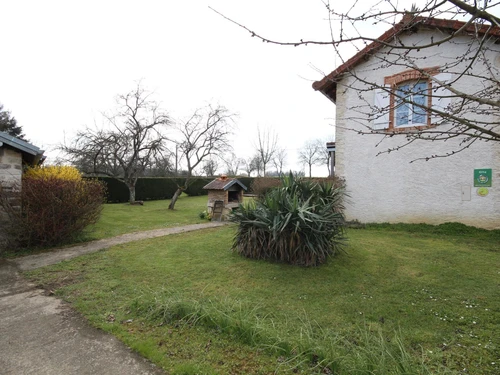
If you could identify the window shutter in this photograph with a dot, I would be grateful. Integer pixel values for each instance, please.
(440, 97)
(381, 104)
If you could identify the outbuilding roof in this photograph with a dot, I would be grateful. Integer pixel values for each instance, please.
(223, 183)
(31, 153)
(328, 85)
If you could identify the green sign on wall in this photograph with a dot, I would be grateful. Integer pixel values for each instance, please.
(482, 177)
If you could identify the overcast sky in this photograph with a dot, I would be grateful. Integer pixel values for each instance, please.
(64, 62)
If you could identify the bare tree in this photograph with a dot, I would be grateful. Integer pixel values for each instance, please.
(233, 164)
(202, 135)
(325, 158)
(130, 142)
(210, 167)
(310, 154)
(458, 110)
(257, 165)
(250, 165)
(279, 160)
(267, 146)
(161, 166)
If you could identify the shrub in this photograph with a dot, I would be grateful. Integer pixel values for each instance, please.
(54, 210)
(205, 215)
(301, 223)
(261, 185)
(61, 172)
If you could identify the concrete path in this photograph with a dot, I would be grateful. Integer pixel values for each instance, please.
(43, 335)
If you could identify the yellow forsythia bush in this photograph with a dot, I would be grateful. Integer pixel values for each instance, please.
(61, 172)
(57, 204)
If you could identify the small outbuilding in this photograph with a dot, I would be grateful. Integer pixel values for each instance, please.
(224, 194)
(14, 154)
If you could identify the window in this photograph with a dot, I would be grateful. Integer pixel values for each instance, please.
(410, 100)
(404, 100)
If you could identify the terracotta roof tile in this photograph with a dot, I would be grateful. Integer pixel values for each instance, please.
(223, 184)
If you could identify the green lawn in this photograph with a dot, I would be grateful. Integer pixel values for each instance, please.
(120, 218)
(193, 307)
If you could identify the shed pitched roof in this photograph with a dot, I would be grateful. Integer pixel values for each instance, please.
(328, 85)
(223, 184)
(31, 153)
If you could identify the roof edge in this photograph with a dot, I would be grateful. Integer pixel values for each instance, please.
(20, 144)
(232, 182)
(226, 186)
(328, 85)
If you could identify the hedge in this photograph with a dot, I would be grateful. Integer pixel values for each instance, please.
(261, 185)
(147, 188)
(195, 186)
(156, 188)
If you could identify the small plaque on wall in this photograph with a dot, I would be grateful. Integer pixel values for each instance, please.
(482, 177)
(482, 191)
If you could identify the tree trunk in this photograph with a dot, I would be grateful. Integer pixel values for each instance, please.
(310, 170)
(131, 189)
(178, 192)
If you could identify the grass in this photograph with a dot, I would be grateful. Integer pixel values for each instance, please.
(403, 300)
(120, 218)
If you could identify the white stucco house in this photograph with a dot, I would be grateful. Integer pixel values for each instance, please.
(369, 92)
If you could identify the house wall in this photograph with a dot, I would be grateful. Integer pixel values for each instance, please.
(393, 187)
(217, 195)
(10, 178)
(10, 167)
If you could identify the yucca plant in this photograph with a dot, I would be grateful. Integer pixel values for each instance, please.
(300, 223)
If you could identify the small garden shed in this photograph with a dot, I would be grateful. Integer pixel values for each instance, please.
(227, 192)
(14, 153)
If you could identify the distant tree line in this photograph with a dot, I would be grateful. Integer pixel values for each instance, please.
(138, 138)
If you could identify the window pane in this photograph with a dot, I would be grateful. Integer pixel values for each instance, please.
(402, 114)
(419, 98)
(402, 109)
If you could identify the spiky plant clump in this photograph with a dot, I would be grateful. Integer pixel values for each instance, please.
(300, 223)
